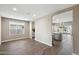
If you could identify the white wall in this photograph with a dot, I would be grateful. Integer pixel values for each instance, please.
(43, 30)
(0, 29)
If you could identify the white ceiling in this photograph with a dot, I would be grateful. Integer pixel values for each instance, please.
(26, 11)
(63, 17)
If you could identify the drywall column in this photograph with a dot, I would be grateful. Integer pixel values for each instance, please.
(0, 29)
(30, 29)
(43, 30)
(76, 30)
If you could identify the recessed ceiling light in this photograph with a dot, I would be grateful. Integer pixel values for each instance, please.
(34, 15)
(14, 9)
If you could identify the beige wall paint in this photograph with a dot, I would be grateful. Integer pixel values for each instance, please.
(0, 29)
(27, 29)
(43, 30)
(5, 30)
(76, 29)
(32, 26)
(30, 33)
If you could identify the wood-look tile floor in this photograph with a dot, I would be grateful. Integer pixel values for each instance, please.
(64, 47)
(32, 47)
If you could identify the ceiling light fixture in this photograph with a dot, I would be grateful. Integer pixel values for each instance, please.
(14, 9)
(34, 15)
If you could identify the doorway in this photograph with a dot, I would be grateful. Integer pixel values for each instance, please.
(62, 31)
(33, 30)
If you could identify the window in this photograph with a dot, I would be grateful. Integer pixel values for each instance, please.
(20, 29)
(12, 29)
(16, 28)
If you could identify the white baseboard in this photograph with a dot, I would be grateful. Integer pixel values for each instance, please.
(44, 43)
(26, 38)
(13, 39)
(74, 54)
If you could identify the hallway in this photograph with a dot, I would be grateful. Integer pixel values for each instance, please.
(32, 47)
